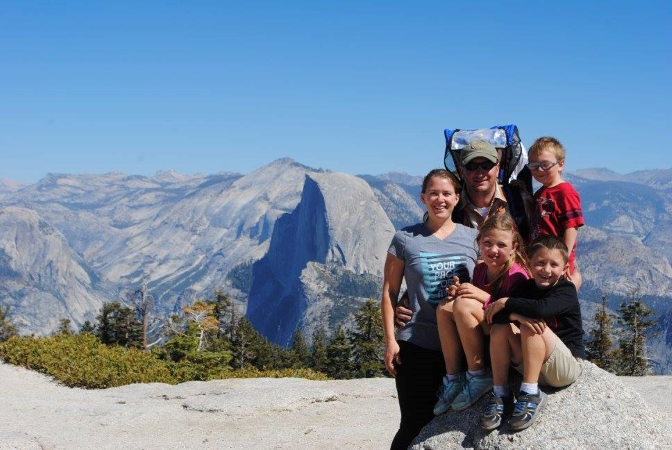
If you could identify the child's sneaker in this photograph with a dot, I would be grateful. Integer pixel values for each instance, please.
(496, 409)
(526, 410)
(447, 393)
(475, 388)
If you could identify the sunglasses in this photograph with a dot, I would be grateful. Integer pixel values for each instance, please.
(544, 165)
(485, 165)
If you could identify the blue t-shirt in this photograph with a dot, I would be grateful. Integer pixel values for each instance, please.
(429, 267)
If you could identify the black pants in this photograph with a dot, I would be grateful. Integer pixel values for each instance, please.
(418, 379)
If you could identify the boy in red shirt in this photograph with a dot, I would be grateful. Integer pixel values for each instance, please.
(557, 205)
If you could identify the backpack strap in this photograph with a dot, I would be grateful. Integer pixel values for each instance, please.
(519, 200)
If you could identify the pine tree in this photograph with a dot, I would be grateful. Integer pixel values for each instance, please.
(599, 346)
(226, 314)
(243, 345)
(7, 327)
(202, 314)
(319, 361)
(142, 302)
(299, 355)
(632, 356)
(339, 353)
(118, 325)
(368, 341)
(87, 327)
(64, 328)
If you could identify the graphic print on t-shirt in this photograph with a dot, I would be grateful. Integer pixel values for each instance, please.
(438, 272)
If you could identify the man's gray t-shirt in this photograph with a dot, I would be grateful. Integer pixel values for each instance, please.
(430, 265)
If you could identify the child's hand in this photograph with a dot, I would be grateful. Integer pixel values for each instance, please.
(537, 326)
(468, 290)
(494, 307)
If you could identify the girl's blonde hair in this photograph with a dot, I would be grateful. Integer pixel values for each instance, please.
(504, 222)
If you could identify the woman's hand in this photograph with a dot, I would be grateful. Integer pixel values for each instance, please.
(494, 307)
(392, 358)
(451, 291)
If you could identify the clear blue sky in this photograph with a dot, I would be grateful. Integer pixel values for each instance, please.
(353, 86)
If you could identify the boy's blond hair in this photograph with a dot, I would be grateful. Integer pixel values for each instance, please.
(549, 144)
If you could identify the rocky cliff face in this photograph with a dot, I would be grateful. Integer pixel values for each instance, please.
(41, 277)
(338, 222)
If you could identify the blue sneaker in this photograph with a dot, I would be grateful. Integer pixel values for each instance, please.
(526, 410)
(475, 388)
(447, 393)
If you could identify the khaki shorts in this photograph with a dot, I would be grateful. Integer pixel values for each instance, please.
(561, 369)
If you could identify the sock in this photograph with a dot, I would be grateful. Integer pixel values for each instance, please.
(502, 391)
(453, 376)
(530, 388)
(476, 373)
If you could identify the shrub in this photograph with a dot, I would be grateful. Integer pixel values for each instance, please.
(82, 361)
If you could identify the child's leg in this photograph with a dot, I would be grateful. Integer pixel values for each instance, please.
(536, 350)
(469, 315)
(504, 348)
(450, 339)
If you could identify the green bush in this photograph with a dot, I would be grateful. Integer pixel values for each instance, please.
(82, 361)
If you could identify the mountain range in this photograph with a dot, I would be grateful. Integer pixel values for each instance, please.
(294, 247)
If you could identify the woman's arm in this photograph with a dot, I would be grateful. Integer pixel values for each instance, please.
(392, 277)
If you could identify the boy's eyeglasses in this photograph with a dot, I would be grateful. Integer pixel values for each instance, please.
(485, 165)
(544, 165)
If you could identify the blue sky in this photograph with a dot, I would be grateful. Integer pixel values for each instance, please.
(352, 86)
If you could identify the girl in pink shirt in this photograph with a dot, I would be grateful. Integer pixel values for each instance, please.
(460, 317)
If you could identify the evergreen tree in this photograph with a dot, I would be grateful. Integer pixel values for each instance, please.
(7, 327)
(142, 302)
(319, 361)
(118, 325)
(64, 328)
(299, 357)
(87, 327)
(243, 344)
(599, 347)
(202, 314)
(339, 354)
(226, 314)
(632, 355)
(368, 341)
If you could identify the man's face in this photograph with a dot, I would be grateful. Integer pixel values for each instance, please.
(478, 178)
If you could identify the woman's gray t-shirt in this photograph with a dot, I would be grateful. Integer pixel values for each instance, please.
(430, 265)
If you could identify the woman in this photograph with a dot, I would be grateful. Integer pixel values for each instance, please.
(428, 255)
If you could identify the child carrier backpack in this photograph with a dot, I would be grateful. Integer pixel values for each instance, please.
(514, 176)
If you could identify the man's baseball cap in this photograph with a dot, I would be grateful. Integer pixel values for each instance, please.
(478, 148)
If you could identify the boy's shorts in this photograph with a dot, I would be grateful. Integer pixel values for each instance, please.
(561, 369)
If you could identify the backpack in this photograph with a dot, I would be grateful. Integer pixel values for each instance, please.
(514, 176)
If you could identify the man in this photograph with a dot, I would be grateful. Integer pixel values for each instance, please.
(481, 196)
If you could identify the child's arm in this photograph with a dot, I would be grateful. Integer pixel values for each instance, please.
(555, 301)
(569, 237)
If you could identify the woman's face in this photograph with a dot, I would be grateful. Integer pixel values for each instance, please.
(440, 198)
(496, 248)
